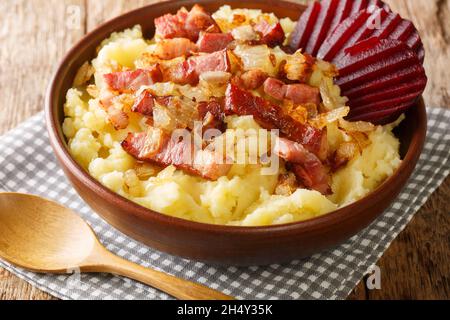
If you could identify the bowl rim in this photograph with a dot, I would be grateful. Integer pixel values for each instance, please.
(337, 216)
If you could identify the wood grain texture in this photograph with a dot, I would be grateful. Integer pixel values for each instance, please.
(34, 35)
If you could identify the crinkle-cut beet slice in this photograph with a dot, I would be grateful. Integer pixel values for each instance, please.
(383, 116)
(304, 28)
(386, 104)
(343, 10)
(370, 55)
(321, 19)
(394, 27)
(364, 32)
(414, 41)
(386, 81)
(403, 31)
(413, 86)
(388, 25)
(359, 5)
(378, 69)
(343, 32)
(421, 55)
(322, 25)
(369, 51)
(389, 119)
(347, 8)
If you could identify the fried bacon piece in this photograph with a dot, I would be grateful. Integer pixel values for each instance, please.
(287, 184)
(130, 81)
(307, 167)
(298, 93)
(118, 118)
(217, 61)
(199, 20)
(212, 113)
(157, 147)
(171, 26)
(169, 49)
(275, 88)
(145, 103)
(299, 66)
(212, 42)
(271, 35)
(271, 116)
(188, 72)
(181, 73)
(252, 79)
(185, 24)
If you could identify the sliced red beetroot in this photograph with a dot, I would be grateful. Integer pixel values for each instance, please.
(364, 53)
(376, 70)
(388, 25)
(389, 118)
(414, 41)
(373, 60)
(387, 81)
(352, 30)
(359, 5)
(413, 86)
(321, 19)
(386, 104)
(322, 26)
(381, 78)
(343, 10)
(347, 8)
(394, 27)
(361, 25)
(338, 39)
(383, 116)
(421, 55)
(305, 26)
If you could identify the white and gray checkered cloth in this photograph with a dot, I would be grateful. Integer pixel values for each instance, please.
(28, 165)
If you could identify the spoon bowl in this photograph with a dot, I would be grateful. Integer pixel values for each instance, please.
(56, 241)
(43, 236)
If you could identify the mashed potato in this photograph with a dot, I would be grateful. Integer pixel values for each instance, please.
(243, 198)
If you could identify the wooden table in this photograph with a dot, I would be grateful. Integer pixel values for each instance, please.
(34, 35)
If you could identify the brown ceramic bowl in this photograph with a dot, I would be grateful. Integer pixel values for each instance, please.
(211, 243)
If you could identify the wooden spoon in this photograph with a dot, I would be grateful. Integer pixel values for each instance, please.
(43, 236)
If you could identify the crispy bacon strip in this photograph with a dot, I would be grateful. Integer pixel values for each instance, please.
(185, 24)
(199, 20)
(212, 42)
(156, 147)
(171, 26)
(118, 118)
(252, 79)
(271, 35)
(130, 81)
(188, 72)
(144, 104)
(212, 113)
(298, 93)
(271, 116)
(308, 169)
(217, 61)
(169, 49)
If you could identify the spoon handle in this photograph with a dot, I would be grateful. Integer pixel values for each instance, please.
(176, 287)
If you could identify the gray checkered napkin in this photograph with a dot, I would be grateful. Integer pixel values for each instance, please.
(28, 165)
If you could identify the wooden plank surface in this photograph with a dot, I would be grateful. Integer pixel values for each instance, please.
(34, 35)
